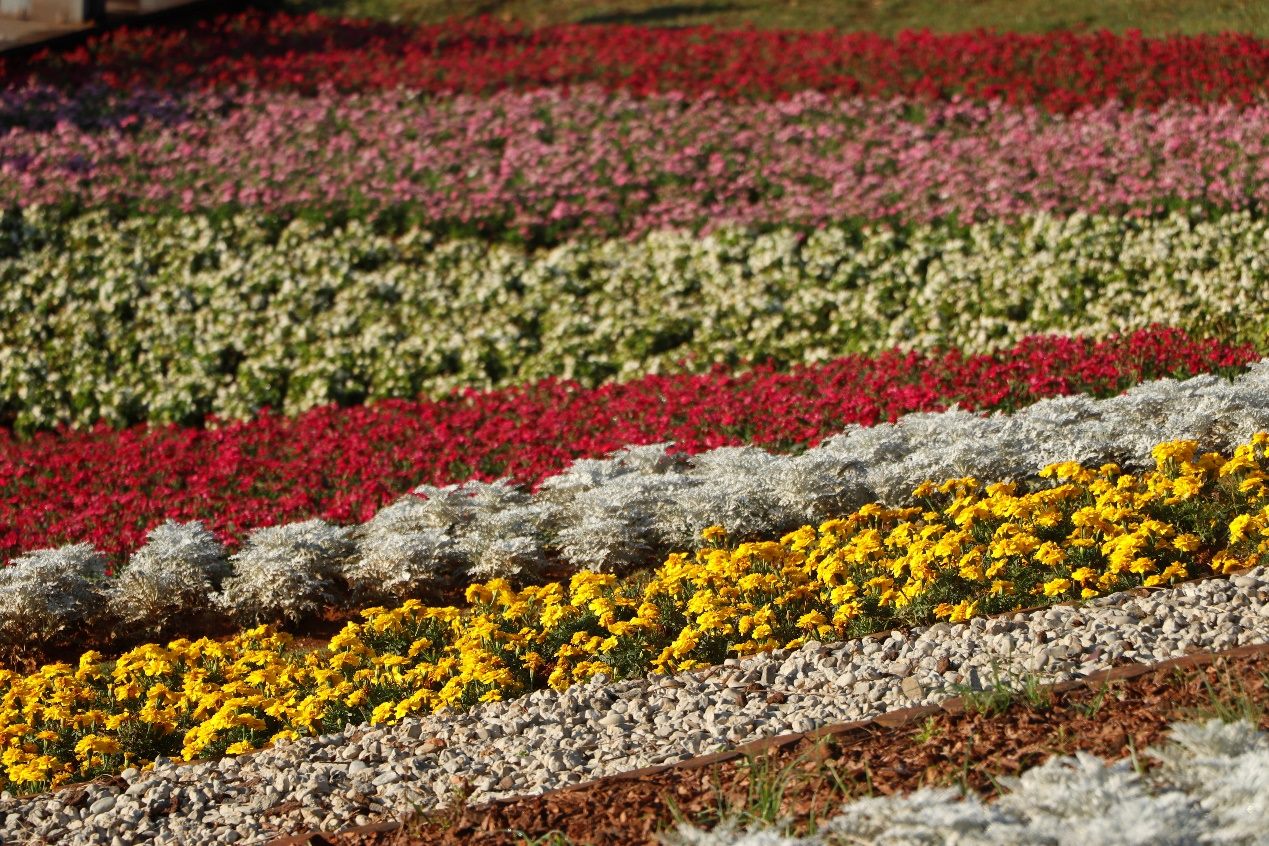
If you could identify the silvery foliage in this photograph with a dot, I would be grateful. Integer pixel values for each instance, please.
(457, 507)
(1212, 787)
(1198, 759)
(496, 527)
(640, 503)
(732, 835)
(405, 548)
(510, 543)
(174, 574)
(285, 572)
(619, 525)
(47, 591)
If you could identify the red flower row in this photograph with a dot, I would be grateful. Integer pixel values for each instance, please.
(1061, 70)
(109, 487)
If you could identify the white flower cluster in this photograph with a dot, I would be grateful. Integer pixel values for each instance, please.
(1212, 786)
(617, 513)
(171, 318)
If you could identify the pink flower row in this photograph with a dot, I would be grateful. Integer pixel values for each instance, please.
(546, 164)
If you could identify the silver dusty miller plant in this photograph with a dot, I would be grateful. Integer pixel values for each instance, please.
(509, 543)
(173, 575)
(286, 572)
(402, 551)
(46, 592)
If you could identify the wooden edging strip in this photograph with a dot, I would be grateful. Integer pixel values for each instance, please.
(890, 719)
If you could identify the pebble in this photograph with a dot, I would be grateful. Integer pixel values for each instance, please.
(548, 740)
(102, 805)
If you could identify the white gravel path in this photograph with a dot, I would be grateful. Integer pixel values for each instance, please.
(549, 740)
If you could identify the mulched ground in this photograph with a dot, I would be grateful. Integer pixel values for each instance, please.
(1114, 714)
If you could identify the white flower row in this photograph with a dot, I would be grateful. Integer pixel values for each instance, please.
(1211, 785)
(611, 514)
(171, 318)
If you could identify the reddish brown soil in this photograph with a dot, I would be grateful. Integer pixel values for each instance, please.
(1111, 715)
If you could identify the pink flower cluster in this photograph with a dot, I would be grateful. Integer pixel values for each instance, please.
(109, 487)
(543, 165)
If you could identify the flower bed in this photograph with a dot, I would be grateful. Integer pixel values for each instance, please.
(342, 464)
(964, 549)
(544, 166)
(616, 515)
(1061, 70)
(174, 318)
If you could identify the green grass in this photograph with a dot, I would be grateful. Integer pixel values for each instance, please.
(1229, 701)
(1154, 17)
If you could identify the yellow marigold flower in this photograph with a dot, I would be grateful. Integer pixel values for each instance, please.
(1187, 487)
(963, 611)
(96, 743)
(1141, 566)
(714, 534)
(1054, 587)
(558, 680)
(32, 770)
(1001, 489)
(843, 593)
(478, 594)
(242, 747)
(738, 598)
(811, 619)
(1001, 587)
(1253, 485)
(1186, 542)
(846, 612)
(1240, 526)
(881, 583)
(1226, 562)
(971, 568)
(1050, 554)
(129, 690)
(1176, 451)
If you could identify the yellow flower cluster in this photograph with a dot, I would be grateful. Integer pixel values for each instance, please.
(963, 549)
